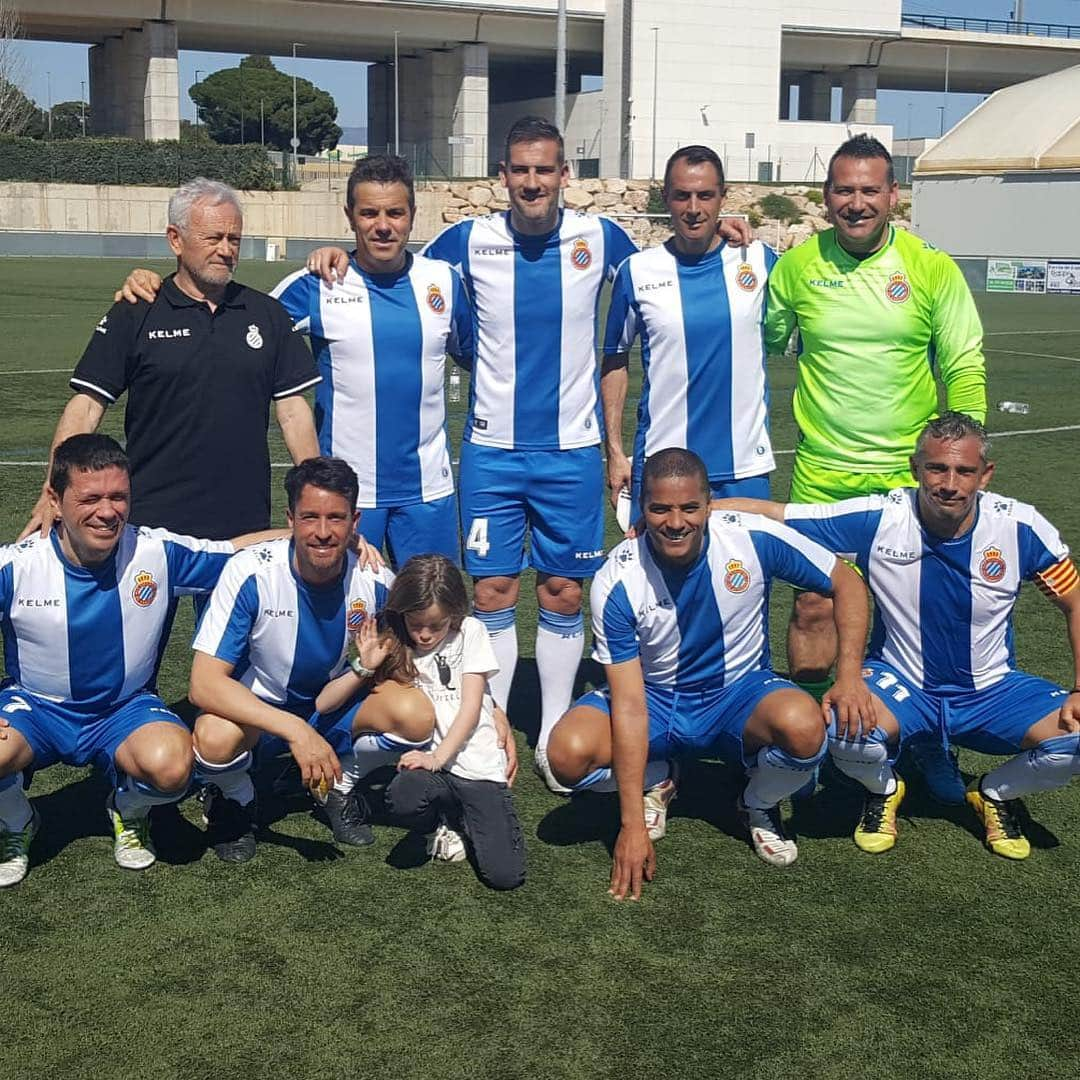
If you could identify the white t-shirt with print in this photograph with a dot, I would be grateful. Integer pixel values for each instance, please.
(439, 674)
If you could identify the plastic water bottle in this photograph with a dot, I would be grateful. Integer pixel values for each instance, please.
(455, 386)
(1021, 407)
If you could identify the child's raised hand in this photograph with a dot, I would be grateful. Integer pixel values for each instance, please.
(370, 646)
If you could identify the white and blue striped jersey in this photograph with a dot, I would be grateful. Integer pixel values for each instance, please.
(943, 608)
(709, 625)
(380, 342)
(286, 639)
(535, 298)
(701, 322)
(90, 638)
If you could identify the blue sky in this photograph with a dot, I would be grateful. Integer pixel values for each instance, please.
(65, 67)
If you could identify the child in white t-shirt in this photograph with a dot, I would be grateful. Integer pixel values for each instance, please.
(457, 790)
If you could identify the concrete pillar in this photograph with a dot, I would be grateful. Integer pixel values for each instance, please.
(787, 80)
(134, 83)
(615, 133)
(470, 120)
(860, 95)
(815, 96)
(447, 109)
(380, 115)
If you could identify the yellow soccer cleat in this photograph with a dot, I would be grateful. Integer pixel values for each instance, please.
(1004, 836)
(876, 831)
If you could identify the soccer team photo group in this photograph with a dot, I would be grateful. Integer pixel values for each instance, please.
(355, 658)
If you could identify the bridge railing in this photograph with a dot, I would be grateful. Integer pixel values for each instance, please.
(992, 26)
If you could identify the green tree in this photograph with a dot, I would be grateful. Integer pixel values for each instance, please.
(67, 119)
(234, 95)
(18, 114)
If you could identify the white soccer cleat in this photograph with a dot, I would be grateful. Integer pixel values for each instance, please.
(543, 770)
(132, 848)
(15, 852)
(767, 835)
(657, 800)
(445, 845)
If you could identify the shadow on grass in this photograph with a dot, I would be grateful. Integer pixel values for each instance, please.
(524, 704)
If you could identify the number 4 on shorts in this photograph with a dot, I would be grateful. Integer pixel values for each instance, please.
(477, 540)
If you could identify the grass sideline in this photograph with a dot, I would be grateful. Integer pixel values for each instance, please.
(935, 960)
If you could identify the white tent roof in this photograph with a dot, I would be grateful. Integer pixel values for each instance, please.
(1031, 126)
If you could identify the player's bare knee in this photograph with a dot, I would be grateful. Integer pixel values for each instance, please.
(800, 730)
(811, 612)
(414, 716)
(216, 739)
(15, 753)
(559, 594)
(495, 593)
(570, 749)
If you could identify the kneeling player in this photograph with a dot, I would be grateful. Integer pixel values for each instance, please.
(277, 630)
(84, 613)
(945, 562)
(680, 625)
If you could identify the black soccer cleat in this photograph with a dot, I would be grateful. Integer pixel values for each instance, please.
(230, 827)
(349, 817)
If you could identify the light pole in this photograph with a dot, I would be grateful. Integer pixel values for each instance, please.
(48, 83)
(295, 142)
(560, 66)
(262, 124)
(907, 170)
(82, 106)
(198, 72)
(397, 100)
(655, 78)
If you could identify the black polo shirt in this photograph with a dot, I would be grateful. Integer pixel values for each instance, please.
(199, 386)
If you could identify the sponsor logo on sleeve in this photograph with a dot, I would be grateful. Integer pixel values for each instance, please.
(101, 328)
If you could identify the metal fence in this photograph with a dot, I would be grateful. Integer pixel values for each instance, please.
(992, 26)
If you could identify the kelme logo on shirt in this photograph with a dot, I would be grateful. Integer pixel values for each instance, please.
(745, 277)
(254, 338)
(145, 588)
(737, 578)
(354, 618)
(580, 255)
(435, 299)
(992, 568)
(898, 289)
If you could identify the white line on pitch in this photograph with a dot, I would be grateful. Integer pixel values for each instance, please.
(1037, 355)
(1011, 333)
(38, 371)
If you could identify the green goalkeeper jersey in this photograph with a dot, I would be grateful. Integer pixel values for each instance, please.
(872, 333)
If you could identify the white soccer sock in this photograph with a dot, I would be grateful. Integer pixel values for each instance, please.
(866, 761)
(1049, 765)
(774, 775)
(559, 643)
(502, 629)
(656, 772)
(133, 798)
(348, 774)
(233, 778)
(15, 808)
(375, 749)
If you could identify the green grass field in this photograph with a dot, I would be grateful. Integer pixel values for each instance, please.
(935, 960)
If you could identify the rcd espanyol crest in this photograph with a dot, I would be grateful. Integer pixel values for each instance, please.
(435, 299)
(898, 289)
(993, 566)
(580, 255)
(745, 277)
(737, 578)
(254, 338)
(145, 588)
(354, 619)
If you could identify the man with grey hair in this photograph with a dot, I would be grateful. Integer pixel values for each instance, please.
(200, 365)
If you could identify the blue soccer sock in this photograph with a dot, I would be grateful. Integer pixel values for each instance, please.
(559, 643)
(133, 798)
(232, 778)
(373, 749)
(656, 772)
(15, 808)
(502, 629)
(775, 774)
(1051, 764)
(865, 760)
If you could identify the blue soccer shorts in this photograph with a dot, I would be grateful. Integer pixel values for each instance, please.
(56, 733)
(427, 528)
(991, 721)
(557, 496)
(335, 727)
(699, 723)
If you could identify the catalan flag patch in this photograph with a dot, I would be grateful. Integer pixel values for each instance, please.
(1060, 579)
